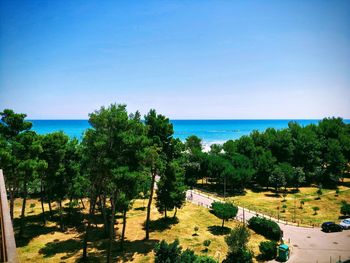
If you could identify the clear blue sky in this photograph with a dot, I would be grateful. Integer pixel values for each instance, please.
(187, 59)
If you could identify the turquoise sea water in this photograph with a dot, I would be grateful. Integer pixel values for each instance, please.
(210, 131)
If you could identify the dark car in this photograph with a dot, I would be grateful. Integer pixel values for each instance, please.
(331, 227)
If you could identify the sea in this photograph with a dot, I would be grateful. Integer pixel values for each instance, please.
(210, 131)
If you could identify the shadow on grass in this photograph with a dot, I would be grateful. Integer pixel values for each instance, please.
(218, 230)
(70, 246)
(276, 195)
(140, 247)
(34, 225)
(140, 209)
(163, 223)
(33, 230)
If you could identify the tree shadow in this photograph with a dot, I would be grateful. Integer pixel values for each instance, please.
(70, 246)
(163, 223)
(218, 230)
(131, 248)
(346, 184)
(34, 225)
(31, 231)
(276, 195)
(140, 209)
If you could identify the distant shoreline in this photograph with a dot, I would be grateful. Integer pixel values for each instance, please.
(210, 131)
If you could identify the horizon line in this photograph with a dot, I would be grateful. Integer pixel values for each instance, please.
(210, 119)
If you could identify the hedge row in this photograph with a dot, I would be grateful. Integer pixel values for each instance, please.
(265, 227)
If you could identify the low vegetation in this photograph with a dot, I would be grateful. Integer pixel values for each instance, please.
(265, 227)
(268, 250)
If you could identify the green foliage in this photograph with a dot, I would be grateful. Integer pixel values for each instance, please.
(170, 253)
(224, 211)
(337, 191)
(12, 124)
(319, 192)
(345, 209)
(193, 143)
(171, 190)
(206, 243)
(241, 256)
(315, 208)
(237, 239)
(188, 256)
(204, 259)
(265, 227)
(277, 179)
(268, 250)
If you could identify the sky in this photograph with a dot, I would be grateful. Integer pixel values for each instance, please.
(187, 59)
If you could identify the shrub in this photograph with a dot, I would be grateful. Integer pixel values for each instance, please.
(337, 192)
(32, 205)
(165, 252)
(319, 192)
(284, 208)
(207, 243)
(188, 256)
(196, 228)
(241, 256)
(172, 253)
(265, 227)
(345, 209)
(302, 202)
(224, 211)
(268, 249)
(237, 239)
(204, 259)
(315, 208)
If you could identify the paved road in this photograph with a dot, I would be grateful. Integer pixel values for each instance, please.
(307, 244)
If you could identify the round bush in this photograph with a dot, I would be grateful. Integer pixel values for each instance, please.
(268, 249)
(265, 227)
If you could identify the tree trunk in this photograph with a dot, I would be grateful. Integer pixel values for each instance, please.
(50, 208)
(149, 205)
(165, 213)
(23, 210)
(111, 231)
(175, 212)
(104, 215)
(42, 202)
(87, 228)
(61, 215)
(123, 231)
(82, 203)
(223, 221)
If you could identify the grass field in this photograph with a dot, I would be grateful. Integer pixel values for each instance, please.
(267, 202)
(48, 244)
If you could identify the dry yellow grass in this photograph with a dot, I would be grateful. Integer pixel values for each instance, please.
(266, 202)
(54, 246)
